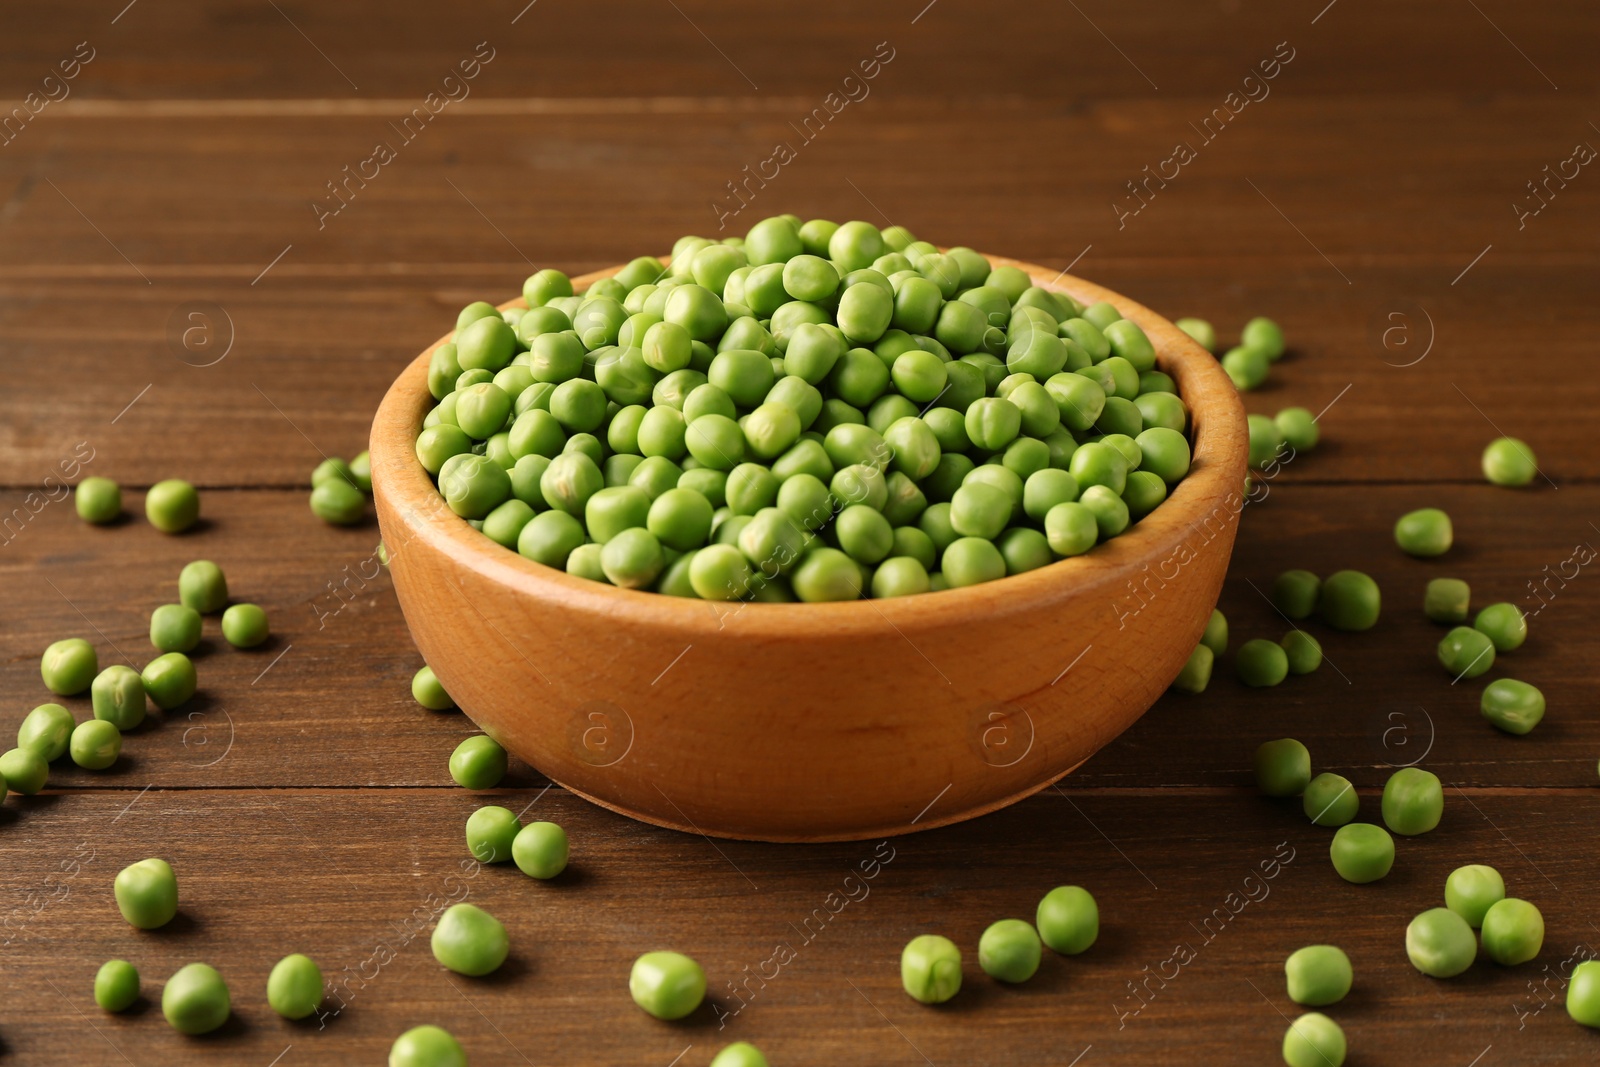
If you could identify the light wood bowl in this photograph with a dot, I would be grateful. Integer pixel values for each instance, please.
(817, 722)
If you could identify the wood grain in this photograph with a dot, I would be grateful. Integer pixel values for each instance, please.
(1378, 178)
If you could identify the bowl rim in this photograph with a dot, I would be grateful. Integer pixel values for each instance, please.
(1219, 446)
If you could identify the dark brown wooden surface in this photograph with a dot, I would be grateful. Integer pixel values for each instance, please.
(303, 796)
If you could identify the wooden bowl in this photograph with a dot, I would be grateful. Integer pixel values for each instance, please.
(817, 722)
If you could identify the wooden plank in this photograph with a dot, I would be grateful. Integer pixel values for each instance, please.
(328, 702)
(355, 878)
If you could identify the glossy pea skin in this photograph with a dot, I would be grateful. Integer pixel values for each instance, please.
(1509, 461)
(426, 1046)
(1424, 533)
(1202, 331)
(1299, 428)
(1261, 663)
(68, 667)
(23, 771)
(1318, 975)
(172, 506)
(1471, 890)
(1196, 672)
(930, 969)
(1068, 919)
(1165, 453)
(98, 500)
(1361, 852)
(1583, 993)
(202, 587)
(490, 831)
(1465, 652)
(1349, 601)
(478, 763)
(427, 690)
(1246, 367)
(540, 850)
(667, 985)
(470, 941)
(1513, 931)
(1330, 800)
(338, 503)
(1314, 1040)
(46, 730)
(294, 988)
(827, 574)
(147, 893)
(116, 985)
(1294, 593)
(1282, 767)
(1071, 529)
(1009, 950)
(175, 628)
(1447, 600)
(118, 696)
(1413, 801)
(1512, 706)
(196, 1000)
(1503, 624)
(1440, 944)
(95, 744)
(739, 1054)
(169, 680)
(1302, 652)
(244, 626)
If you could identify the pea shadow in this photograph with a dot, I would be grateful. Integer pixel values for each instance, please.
(513, 970)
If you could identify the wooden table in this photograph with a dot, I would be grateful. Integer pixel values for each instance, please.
(182, 294)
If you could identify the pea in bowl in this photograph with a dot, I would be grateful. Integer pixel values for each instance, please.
(817, 721)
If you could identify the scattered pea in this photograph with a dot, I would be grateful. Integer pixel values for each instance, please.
(1299, 428)
(47, 730)
(1196, 672)
(1413, 801)
(490, 832)
(1330, 800)
(1471, 890)
(1263, 335)
(1314, 1040)
(1204, 335)
(1440, 944)
(196, 1000)
(338, 503)
(1513, 706)
(1509, 461)
(470, 941)
(427, 691)
(169, 680)
(1318, 975)
(1350, 601)
(1216, 636)
(69, 667)
(1283, 767)
(930, 968)
(667, 985)
(24, 771)
(426, 1046)
(98, 500)
(1294, 593)
(1361, 852)
(1504, 624)
(1513, 931)
(95, 744)
(172, 506)
(1009, 950)
(147, 893)
(1466, 653)
(478, 763)
(1583, 993)
(1260, 662)
(175, 628)
(1302, 651)
(294, 988)
(116, 985)
(1425, 533)
(540, 850)
(1068, 919)
(1447, 600)
(244, 626)
(118, 697)
(739, 1054)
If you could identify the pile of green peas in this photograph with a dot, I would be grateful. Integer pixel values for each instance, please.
(812, 412)
(339, 489)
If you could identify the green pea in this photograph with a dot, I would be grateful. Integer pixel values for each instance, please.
(739, 1054)
(679, 518)
(1509, 461)
(806, 500)
(720, 572)
(1513, 706)
(826, 574)
(24, 771)
(147, 893)
(1314, 1040)
(611, 511)
(172, 506)
(294, 988)
(361, 471)
(1164, 452)
(1298, 427)
(1196, 672)
(1413, 801)
(118, 696)
(1282, 767)
(566, 485)
(1318, 975)
(245, 625)
(540, 850)
(1246, 367)
(435, 446)
(470, 941)
(633, 558)
(46, 729)
(1513, 931)
(1216, 633)
(900, 576)
(1294, 593)
(971, 560)
(1361, 852)
(175, 628)
(1466, 653)
(667, 985)
(863, 533)
(1349, 601)
(98, 500)
(95, 744)
(490, 831)
(1303, 652)
(426, 1046)
(116, 985)
(930, 969)
(550, 537)
(1260, 662)
(1071, 528)
(68, 667)
(203, 587)
(1447, 600)
(1583, 993)
(1440, 944)
(1266, 440)
(1009, 950)
(1330, 800)
(913, 542)
(1504, 624)
(478, 763)
(169, 680)
(1424, 533)
(195, 1000)
(1068, 919)
(980, 510)
(338, 503)
(585, 562)
(333, 467)
(1471, 890)
(427, 690)
(1202, 331)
